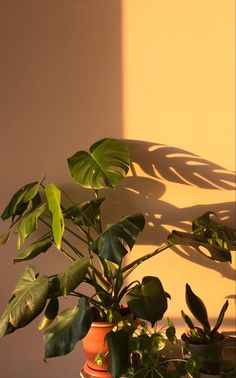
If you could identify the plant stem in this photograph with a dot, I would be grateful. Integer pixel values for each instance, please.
(134, 264)
(77, 252)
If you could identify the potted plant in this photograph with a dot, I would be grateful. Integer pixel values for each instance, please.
(215, 365)
(151, 353)
(199, 340)
(95, 253)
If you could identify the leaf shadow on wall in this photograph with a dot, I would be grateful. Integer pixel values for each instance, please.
(155, 167)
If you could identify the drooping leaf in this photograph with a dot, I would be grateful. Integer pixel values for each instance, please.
(196, 241)
(105, 165)
(27, 301)
(28, 224)
(39, 246)
(86, 213)
(118, 352)
(197, 308)
(113, 244)
(73, 324)
(148, 300)
(72, 276)
(50, 313)
(20, 199)
(53, 195)
(220, 318)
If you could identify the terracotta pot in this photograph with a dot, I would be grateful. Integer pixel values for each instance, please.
(93, 343)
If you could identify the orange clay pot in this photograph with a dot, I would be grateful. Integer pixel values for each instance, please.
(93, 343)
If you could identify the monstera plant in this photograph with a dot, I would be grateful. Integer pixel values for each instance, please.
(42, 216)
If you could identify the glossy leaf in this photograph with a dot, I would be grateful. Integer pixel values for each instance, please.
(118, 352)
(72, 276)
(148, 300)
(29, 224)
(20, 199)
(105, 165)
(53, 195)
(27, 301)
(197, 308)
(72, 326)
(50, 313)
(86, 213)
(187, 320)
(114, 243)
(197, 241)
(39, 246)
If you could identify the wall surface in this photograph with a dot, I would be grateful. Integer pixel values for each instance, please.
(157, 73)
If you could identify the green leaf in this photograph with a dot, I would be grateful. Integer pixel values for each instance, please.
(53, 195)
(29, 224)
(27, 301)
(192, 366)
(113, 244)
(148, 300)
(220, 318)
(20, 199)
(34, 249)
(72, 276)
(118, 352)
(197, 241)
(197, 308)
(72, 326)
(50, 313)
(86, 213)
(105, 165)
(187, 320)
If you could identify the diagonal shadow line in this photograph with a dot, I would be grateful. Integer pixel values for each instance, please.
(176, 165)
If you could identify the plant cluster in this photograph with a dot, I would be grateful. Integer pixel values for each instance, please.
(42, 217)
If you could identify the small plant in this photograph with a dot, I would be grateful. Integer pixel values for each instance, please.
(204, 334)
(151, 354)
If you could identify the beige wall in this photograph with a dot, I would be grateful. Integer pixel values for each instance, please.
(159, 73)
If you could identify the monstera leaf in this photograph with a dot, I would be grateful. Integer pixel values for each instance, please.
(86, 213)
(106, 163)
(20, 200)
(72, 276)
(114, 243)
(39, 246)
(207, 234)
(148, 300)
(73, 324)
(27, 301)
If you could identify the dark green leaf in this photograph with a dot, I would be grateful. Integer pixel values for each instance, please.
(148, 300)
(86, 213)
(192, 366)
(113, 243)
(187, 320)
(72, 326)
(220, 318)
(20, 199)
(27, 301)
(34, 249)
(197, 307)
(105, 165)
(197, 242)
(72, 276)
(118, 352)
(53, 195)
(28, 224)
